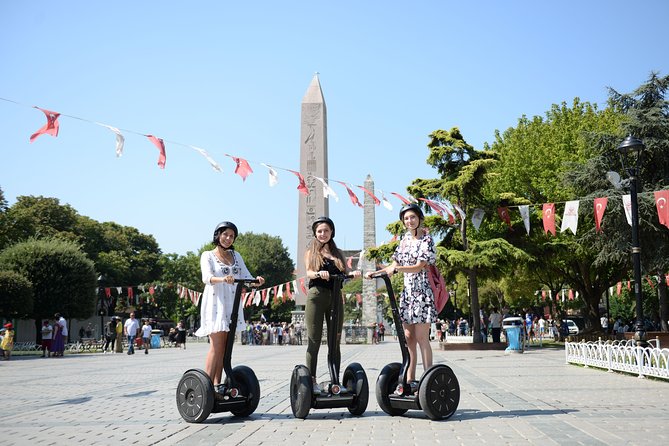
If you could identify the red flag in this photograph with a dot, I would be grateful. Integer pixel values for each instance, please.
(288, 293)
(434, 206)
(662, 204)
(51, 126)
(152, 290)
(571, 294)
(349, 262)
(543, 294)
(160, 144)
(600, 207)
(130, 292)
(503, 213)
(666, 279)
(302, 187)
(549, 217)
(304, 290)
(629, 285)
(376, 200)
(404, 200)
(243, 169)
(108, 292)
(619, 288)
(358, 298)
(351, 194)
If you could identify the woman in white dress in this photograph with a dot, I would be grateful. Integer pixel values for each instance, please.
(220, 267)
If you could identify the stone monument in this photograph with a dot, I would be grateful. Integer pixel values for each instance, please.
(369, 305)
(313, 163)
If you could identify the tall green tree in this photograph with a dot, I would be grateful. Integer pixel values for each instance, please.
(16, 295)
(535, 157)
(63, 278)
(463, 173)
(645, 113)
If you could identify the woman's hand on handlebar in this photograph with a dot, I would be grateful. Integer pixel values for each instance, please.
(379, 273)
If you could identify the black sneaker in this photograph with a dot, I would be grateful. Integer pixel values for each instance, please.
(414, 386)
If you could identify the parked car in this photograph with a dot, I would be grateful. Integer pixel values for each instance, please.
(573, 328)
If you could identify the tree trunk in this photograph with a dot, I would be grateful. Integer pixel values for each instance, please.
(664, 305)
(477, 337)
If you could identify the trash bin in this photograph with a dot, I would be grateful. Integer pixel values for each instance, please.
(155, 338)
(513, 330)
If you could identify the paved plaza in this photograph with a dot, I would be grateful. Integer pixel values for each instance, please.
(531, 398)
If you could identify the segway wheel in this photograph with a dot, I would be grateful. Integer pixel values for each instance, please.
(248, 385)
(301, 391)
(386, 385)
(355, 380)
(439, 393)
(195, 396)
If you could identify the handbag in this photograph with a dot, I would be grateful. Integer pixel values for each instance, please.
(438, 286)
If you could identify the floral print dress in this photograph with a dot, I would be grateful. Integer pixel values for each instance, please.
(417, 300)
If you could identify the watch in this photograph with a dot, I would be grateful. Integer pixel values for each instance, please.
(318, 274)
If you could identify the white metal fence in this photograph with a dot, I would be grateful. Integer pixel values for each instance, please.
(623, 356)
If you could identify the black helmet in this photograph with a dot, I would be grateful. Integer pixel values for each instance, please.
(412, 207)
(221, 227)
(320, 220)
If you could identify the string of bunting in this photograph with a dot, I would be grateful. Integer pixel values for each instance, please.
(444, 208)
(617, 290)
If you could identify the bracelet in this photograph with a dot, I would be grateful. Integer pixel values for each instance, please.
(395, 271)
(318, 275)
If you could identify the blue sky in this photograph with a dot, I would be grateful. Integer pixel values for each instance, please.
(229, 77)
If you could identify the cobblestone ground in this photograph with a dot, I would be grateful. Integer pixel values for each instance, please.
(531, 398)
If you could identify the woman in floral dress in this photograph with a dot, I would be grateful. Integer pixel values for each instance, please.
(417, 309)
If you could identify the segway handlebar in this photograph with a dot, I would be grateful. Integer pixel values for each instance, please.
(251, 280)
(378, 274)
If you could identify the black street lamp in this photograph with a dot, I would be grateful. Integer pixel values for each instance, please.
(631, 150)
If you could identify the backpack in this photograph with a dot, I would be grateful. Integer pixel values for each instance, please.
(438, 286)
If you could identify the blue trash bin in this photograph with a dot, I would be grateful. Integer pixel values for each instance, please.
(155, 338)
(513, 330)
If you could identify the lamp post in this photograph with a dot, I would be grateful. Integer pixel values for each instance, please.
(454, 286)
(631, 150)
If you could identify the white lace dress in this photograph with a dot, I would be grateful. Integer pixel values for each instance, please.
(217, 299)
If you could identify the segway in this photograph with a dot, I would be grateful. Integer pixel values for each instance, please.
(352, 393)
(239, 393)
(438, 392)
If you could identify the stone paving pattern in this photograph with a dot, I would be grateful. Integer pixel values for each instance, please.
(532, 398)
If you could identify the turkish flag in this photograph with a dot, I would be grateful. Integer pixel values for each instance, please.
(352, 196)
(160, 144)
(549, 217)
(373, 197)
(51, 126)
(302, 187)
(243, 169)
(600, 207)
(503, 213)
(402, 199)
(662, 204)
(433, 205)
(304, 290)
(619, 288)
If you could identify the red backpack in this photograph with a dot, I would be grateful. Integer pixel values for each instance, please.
(438, 286)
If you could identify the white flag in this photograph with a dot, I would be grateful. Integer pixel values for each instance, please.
(477, 217)
(256, 298)
(120, 140)
(273, 176)
(212, 162)
(295, 289)
(386, 203)
(627, 205)
(327, 190)
(460, 211)
(280, 292)
(525, 213)
(570, 217)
